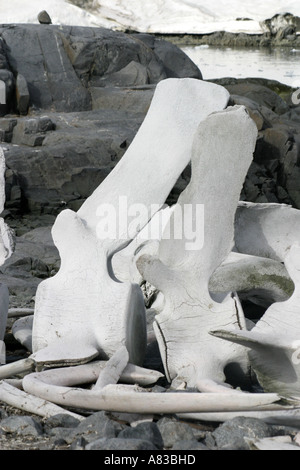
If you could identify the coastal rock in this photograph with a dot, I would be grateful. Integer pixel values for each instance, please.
(21, 425)
(147, 431)
(44, 17)
(173, 431)
(175, 61)
(83, 88)
(233, 434)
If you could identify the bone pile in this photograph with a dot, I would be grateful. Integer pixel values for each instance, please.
(208, 252)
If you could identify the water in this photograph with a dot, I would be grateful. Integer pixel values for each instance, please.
(281, 64)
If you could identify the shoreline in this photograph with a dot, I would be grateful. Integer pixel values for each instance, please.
(226, 39)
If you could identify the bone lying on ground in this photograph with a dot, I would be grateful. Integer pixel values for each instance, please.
(222, 152)
(87, 373)
(30, 403)
(50, 385)
(84, 303)
(18, 367)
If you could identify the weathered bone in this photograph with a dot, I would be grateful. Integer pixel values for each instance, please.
(86, 373)
(266, 230)
(113, 369)
(50, 385)
(273, 443)
(83, 305)
(18, 367)
(222, 153)
(274, 342)
(22, 331)
(123, 262)
(262, 281)
(30, 403)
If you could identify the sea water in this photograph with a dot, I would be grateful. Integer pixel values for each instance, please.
(278, 63)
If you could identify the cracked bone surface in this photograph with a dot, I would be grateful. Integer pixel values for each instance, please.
(222, 153)
(274, 342)
(84, 310)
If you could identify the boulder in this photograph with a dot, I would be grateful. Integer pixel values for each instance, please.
(176, 62)
(86, 91)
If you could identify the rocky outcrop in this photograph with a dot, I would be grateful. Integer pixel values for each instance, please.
(76, 99)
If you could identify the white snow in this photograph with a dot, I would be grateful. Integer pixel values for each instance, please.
(161, 16)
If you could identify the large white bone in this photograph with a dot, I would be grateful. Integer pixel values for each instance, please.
(84, 306)
(30, 403)
(222, 153)
(274, 342)
(58, 386)
(262, 281)
(266, 230)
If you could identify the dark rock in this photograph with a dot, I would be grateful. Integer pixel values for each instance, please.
(96, 426)
(233, 434)
(173, 431)
(189, 445)
(6, 129)
(78, 444)
(32, 132)
(146, 431)
(22, 94)
(176, 62)
(21, 425)
(61, 434)
(61, 89)
(261, 95)
(135, 99)
(120, 444)
(44, 17)
(73, 160)
(280, 22)
(61, 420)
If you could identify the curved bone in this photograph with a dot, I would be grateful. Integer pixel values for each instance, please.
(274, 342)
(84, 303)
(123, 262)
(50, 386)
(88, 373)
(17, 367)
(19, 312)
(113, 369)
(30, 403)
(267, 230)
(263, 281)
(222, 153)
(22, 331)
